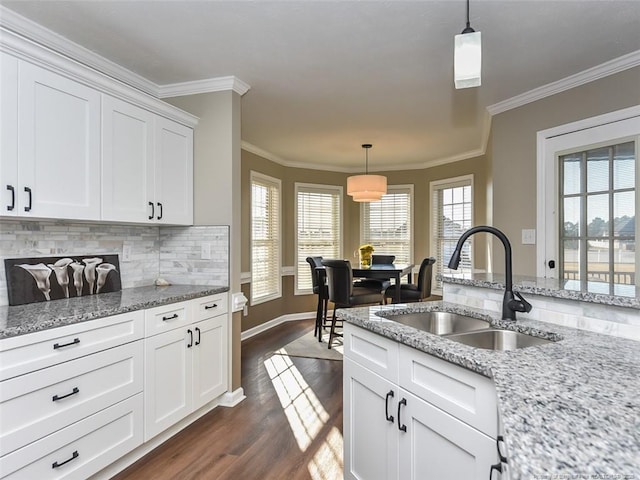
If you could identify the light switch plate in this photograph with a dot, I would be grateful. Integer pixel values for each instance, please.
(528, 236)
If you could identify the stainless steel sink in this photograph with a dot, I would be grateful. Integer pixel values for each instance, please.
(439, 323)
(495, 339)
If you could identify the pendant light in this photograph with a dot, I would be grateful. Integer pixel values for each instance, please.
(366, 188)
(467, 63)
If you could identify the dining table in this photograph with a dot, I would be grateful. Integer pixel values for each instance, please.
(384, 271)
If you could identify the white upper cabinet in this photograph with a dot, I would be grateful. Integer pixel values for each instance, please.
(174, 172)
(127, 161)
(58, 146)
(69, 150)
(147, 166)
(8, 134)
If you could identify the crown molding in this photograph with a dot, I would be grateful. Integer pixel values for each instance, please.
(333, 168)
(32, 52)
(39, 34)
(611, 67)
(207, 85)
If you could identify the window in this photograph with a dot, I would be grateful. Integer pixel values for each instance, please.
(587, 200)
(452, 207)
(265, 238)
(597, 218)
(318, 227)
(387, 224)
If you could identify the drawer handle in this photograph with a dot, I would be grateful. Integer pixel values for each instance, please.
(386, 407)
(74, 455)
(59, 345)
(175, 315)
(209, 307)
(198, 331)
(75, 390)
(401, 427)
(190, 344)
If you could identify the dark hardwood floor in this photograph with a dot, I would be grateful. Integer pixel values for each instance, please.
(288, 427)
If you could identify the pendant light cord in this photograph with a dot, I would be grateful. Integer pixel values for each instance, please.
(468, 29)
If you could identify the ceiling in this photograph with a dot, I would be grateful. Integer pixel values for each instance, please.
(328, 76)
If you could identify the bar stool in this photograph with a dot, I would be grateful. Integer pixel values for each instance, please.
(319, 282)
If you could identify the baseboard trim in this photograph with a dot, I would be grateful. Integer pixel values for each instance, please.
(231, 399)
(290, 317)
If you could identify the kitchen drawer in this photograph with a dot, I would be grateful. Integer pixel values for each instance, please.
(208, 307)
(39, 403)
(375, 352)
(33, 351)
(462, 393)
(167, 317)
(89, 445)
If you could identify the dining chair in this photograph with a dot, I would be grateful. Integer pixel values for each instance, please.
(410, 292)
(319, 282)
(377, 283)
(342, 292)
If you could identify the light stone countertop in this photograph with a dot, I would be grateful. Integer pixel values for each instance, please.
(570, 409)
(627, 296)
(35, 317)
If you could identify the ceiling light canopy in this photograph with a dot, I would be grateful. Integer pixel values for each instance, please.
(366, 188)
(467, 64)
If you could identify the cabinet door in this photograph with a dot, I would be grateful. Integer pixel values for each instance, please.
(127, 162)
(440, 447)
(370, 440)
(174, 173)
(168, 380)
(58, 146)
(8, 134)
(209, 360)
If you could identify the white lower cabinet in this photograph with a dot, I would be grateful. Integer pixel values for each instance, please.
(185, 367)
(75, 399)
(81, 449)
(392, 432)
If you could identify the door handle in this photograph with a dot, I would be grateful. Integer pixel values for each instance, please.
(13, 197)
(28, 207)
(153, 211)
(552, 264)
(198, 332)
(160, 207)
(190, 344)
(386, 407)
(401, 427)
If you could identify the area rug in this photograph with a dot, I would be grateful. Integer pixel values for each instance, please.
(309, 347)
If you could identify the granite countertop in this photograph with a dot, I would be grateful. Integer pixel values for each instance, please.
(596, 292)
(570, 409)
(34, 317)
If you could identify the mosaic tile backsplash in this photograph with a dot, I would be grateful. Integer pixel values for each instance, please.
(146, 252)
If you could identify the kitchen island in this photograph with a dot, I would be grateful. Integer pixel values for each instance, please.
(569, 409)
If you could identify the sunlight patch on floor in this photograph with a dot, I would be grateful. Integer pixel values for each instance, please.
(303, 410)
(327, 462)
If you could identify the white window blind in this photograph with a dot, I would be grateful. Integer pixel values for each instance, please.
(318, 228)
(265, 238)
(388, 225)
(452, 207)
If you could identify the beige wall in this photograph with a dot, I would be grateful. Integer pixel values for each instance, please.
(513, 153)
(216, 185)
(290, 303)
